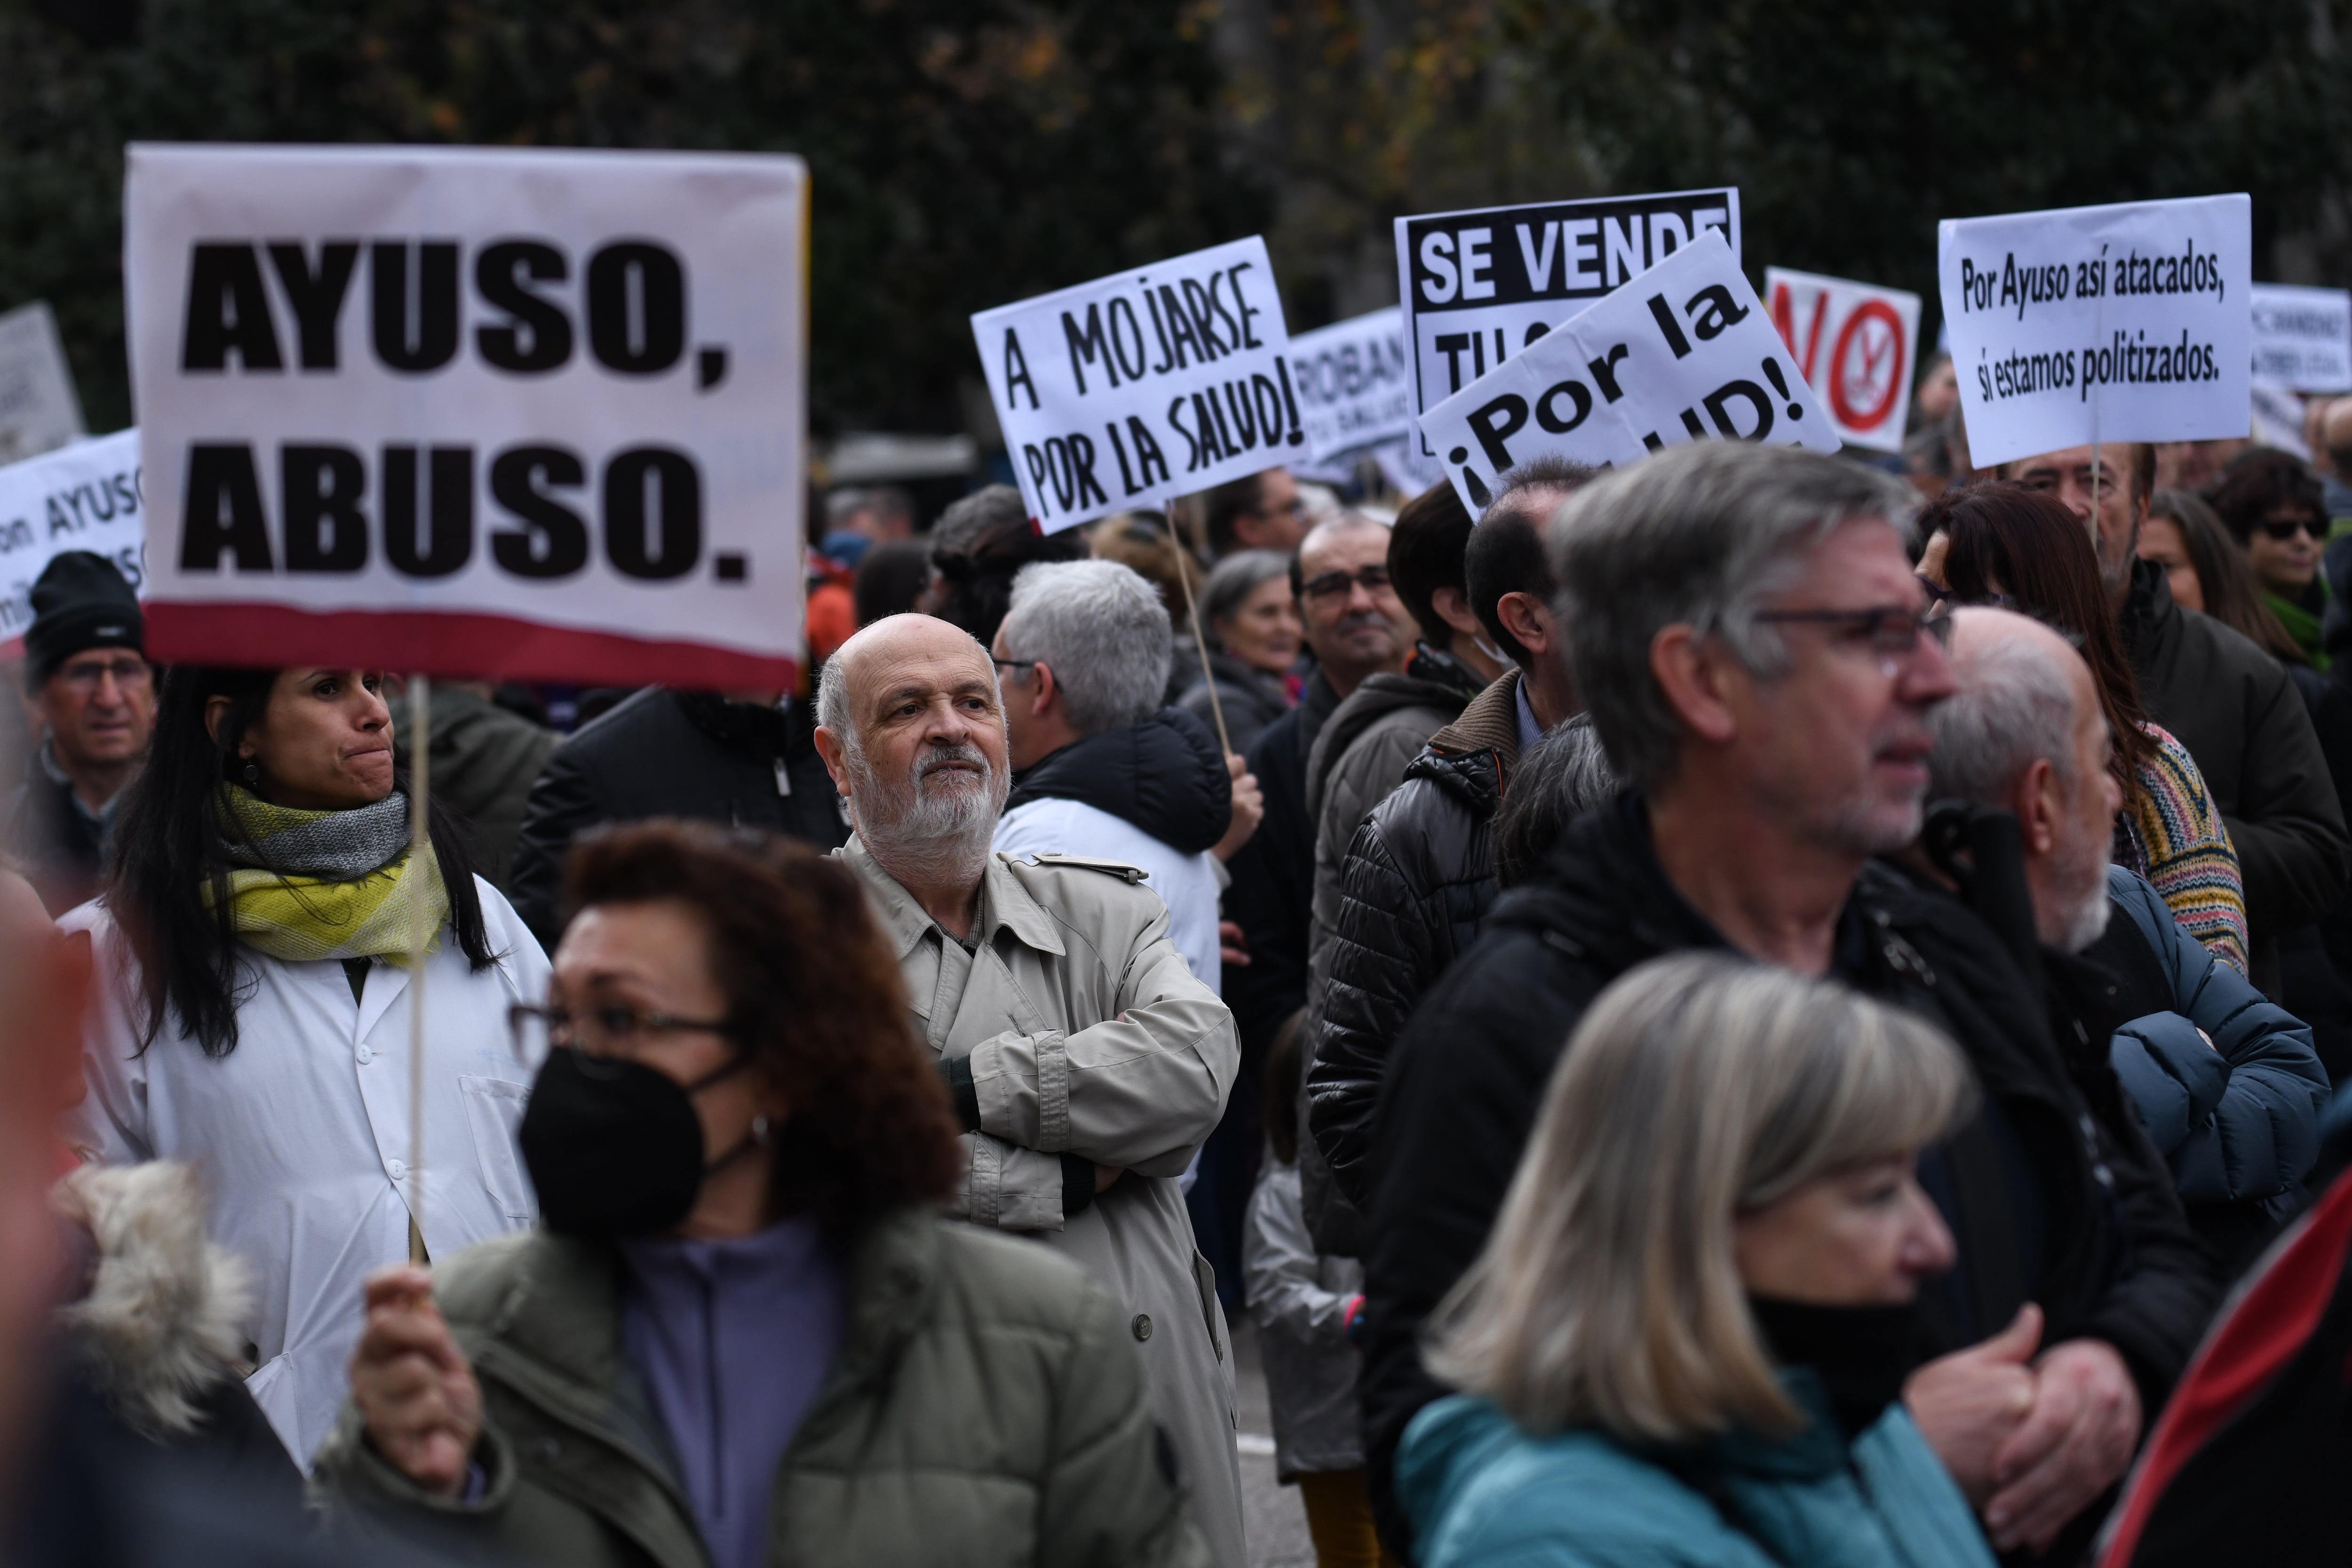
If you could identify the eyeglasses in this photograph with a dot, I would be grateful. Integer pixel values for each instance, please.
(1336, 585)
(1891, 630)
(1016, 663)
(2286, 528)
(604, 1031)
(129, 671)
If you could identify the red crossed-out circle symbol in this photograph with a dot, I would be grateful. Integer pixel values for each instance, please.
(1876, 375)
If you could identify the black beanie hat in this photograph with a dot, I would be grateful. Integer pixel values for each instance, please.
(79, 601)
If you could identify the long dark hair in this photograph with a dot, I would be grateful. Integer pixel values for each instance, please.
(812, 994)
(2231, 596)
(2007, 539)
(168, 850)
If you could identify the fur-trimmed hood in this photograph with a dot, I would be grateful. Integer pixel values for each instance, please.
(163, 1317)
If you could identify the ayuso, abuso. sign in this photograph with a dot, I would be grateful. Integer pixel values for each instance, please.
(472, 412)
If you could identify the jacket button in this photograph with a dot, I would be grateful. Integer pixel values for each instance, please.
(396, 1169)
(366, 1055)
(1142, 1325)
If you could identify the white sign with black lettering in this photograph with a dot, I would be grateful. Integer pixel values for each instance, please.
(1855, 344)
(1480, 285)
(1145, 384)
(82, 497)
(473, 412)
(2128, 322)
(1354, 382)
(2303, 337)
(1685, 352)
(38, 410)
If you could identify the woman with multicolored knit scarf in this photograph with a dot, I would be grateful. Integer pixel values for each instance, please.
(253, 1015)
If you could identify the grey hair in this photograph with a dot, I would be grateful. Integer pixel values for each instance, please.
(1558, 779)
(1233, 580)
(2013, 704)
(1697, 1087)
(1104, 631)
(1700, 534)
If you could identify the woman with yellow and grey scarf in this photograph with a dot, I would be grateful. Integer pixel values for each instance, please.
(254, 1012)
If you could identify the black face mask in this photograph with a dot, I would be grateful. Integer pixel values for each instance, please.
(614, 1147)
(1862, 1354)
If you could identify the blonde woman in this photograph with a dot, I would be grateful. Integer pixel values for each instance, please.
(1686, 1339)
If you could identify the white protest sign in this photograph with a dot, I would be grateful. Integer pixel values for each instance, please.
(2303, 337)
(38, 410)
(1407, 470)
(1683, 352)
(82, 497)
(2112, 323)
(1855, 344)
(1145, 384)
(1479, 285)
(473, 412)
(1355, 386)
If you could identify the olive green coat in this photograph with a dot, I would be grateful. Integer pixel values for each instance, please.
(984, 1408)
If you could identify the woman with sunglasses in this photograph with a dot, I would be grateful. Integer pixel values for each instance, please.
(743, 1334)
(2271, 504)
(253, 1011)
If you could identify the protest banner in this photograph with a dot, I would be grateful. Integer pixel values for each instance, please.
(2127, 323)
(1355, 389)
(2303, 337)
(1856, 344)
(488, 413)
(38, 410)
(1142, 385)
(1479, 285)
(1684, 351)
(82, 497)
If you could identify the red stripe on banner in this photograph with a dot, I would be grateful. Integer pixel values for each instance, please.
(455, 644)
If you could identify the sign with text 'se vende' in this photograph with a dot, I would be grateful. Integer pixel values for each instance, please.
(473, 412)
(2303, 337)
(1479, 285)
(82, 497)
(1145, 386)
(1684, 351)
(2079, 325)
(1354, 382)
(1855, 344)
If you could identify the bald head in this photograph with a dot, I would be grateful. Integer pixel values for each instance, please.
(878, 650)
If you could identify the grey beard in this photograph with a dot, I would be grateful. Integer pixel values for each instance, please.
(2086, 916)
(922, 835)
(1868, 826)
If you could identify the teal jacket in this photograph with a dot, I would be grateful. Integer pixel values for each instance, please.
(1481, 1492)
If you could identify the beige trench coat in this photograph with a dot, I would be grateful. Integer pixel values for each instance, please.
(1090, 1035)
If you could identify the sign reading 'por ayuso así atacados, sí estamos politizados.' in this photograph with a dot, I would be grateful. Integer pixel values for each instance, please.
(472, 412)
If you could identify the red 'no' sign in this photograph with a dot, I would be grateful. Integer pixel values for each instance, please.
(1888, 385)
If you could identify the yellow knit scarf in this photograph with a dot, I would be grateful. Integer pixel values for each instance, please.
(313, 893)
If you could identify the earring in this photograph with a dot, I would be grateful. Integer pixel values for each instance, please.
(760, 1130)
(252, 772)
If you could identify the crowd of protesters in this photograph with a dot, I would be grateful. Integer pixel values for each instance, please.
(1740, 1010)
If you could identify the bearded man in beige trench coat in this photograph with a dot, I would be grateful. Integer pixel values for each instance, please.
(1086, 1062)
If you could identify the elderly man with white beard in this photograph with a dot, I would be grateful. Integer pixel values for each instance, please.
(2226, 1082)
(1085, 1061)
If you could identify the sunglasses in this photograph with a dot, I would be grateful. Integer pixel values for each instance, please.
(2284, 529)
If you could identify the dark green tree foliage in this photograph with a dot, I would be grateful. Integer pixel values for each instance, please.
(965, 152)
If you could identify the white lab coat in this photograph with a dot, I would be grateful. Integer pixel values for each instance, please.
(301, 1134)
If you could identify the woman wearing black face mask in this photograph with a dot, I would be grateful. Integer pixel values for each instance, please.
(1688, 1334)
(741, 1336)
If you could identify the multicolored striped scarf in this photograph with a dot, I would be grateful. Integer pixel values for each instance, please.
(326, 884)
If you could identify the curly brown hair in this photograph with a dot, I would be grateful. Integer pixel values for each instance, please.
(812, 991)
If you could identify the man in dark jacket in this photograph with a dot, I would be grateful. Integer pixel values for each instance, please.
(1420, 872)
(2224, 698)
(1746, 631)
(87, 682)
(750, 762)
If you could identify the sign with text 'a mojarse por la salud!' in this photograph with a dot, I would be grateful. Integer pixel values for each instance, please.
(1144, 385)
(472, 412)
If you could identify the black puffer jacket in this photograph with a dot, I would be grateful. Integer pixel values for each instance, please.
(1165, 775)
(672, 753)
(2095, 1232)
(1419, 880)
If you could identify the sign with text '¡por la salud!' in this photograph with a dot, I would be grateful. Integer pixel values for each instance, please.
(82, 497)
(1479, 285)
(1354, 382)
(2127, 323)
(1855, 344)
(1144, 385)
(2303, 337)
(470, 412)
(1684, 351)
